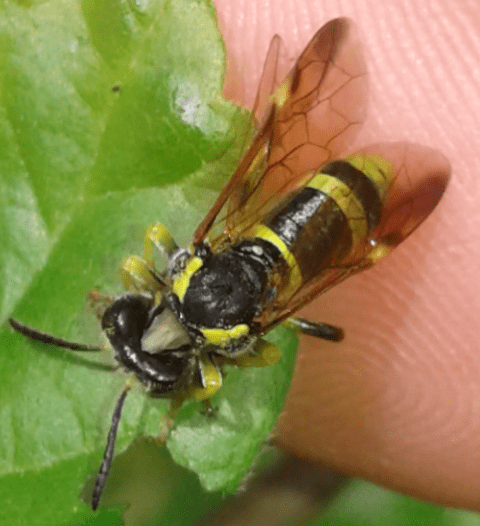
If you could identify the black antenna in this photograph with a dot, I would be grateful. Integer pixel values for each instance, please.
(109, 450)
(43, 337)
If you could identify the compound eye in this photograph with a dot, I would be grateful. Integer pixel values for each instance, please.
(125, 319)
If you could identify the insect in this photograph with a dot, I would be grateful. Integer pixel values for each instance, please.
(292, 221)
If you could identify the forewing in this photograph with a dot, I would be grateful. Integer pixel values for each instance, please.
(312, 116)
(420, 178)
(319, 108)
(274, 66)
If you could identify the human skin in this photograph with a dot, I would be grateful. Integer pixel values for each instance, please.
(398, 402)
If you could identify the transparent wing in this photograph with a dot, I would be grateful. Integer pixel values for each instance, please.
(274, 69)
(421, 175)
(311, 118)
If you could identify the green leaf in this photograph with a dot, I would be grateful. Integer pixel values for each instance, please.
(222, 451)
(111, 118)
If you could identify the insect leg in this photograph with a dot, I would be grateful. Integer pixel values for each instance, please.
(380, 252)
(208, 408)
(159, 236)
(264, 353)
(202, 380)
(168, 423)
(109, 449)
(210, 380)
(43, 337)
(137, 275)
(319, 330)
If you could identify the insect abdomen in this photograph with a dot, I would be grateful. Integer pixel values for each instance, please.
(323, 224)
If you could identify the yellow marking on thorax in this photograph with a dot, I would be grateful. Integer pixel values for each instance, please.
(263, 232)
(346, 201)
(180, 284)
(377, 169)
(221, 337)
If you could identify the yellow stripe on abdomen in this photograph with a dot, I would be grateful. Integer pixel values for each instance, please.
(267, 234)
(346, 201)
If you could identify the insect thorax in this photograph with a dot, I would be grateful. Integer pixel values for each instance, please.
(218, 295)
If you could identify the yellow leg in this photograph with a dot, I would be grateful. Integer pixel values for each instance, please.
(211, 379)
(137, 275)
(169, 422)
(159, 236)
(381, 250)
(265, 353)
